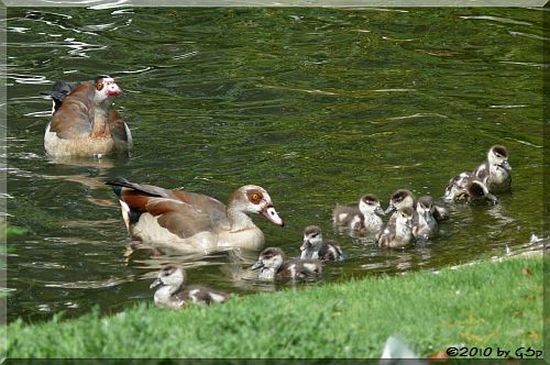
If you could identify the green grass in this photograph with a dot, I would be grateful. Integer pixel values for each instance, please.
(487, 304)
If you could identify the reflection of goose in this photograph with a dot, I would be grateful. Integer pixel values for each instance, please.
(83, 124)
(191, 221)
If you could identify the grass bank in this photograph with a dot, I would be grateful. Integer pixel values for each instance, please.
(490, 304)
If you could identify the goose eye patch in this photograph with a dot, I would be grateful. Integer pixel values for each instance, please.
(255, 197)
(99, 85)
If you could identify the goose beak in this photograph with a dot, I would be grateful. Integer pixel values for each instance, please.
(493, 199)
(271, 214)
(257, 265)
(114, 90)
(390, 209)
(506, 166)
(155, 283)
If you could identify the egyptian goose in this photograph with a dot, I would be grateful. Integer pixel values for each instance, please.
(365, 218)
(467, 187)
(83, 123)
(173, 294)
(314, 247)
(191, 221)
(426, 227)
(400, 233)
(495, 171)
(272, 266)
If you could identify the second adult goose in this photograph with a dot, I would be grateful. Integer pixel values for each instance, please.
(83, 123)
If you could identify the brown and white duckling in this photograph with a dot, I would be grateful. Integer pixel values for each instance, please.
(347, 217)
(399, 234)
(83, 123)
(371, 209)
(363, 218)
(495, 171)
(467, 187)
(401, 198)
(457, 185)
(314, 247)
(172, 293)
(194, 222)
(272, 266)
(426, 226)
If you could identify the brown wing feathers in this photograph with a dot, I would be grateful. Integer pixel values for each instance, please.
(72, 118)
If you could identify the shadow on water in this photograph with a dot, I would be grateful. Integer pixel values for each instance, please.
(319, 106)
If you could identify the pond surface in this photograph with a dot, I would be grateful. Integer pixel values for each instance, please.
(316, 105)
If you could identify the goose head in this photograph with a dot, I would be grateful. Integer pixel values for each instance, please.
(498, 156)
(169, 276)
(253, 199)
(405, 217)
(312, 237)
(369, 204)
(272, 258)
(106, 89)
(400, 199)
(425, 206)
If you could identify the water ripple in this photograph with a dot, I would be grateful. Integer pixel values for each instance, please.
(92, 284)
(29, 79)
(496, 19)
(529, 35)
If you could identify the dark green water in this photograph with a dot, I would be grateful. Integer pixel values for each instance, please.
(317, 105)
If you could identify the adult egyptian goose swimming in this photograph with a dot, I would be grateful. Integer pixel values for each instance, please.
(191, 221)
(83, 123)
(172, 292)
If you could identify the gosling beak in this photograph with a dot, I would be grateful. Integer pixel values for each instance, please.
(379, 211)
(492, 198)
(155, 283)
(390, 209)
(506, 166)
(257, 265)
(271, 214)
